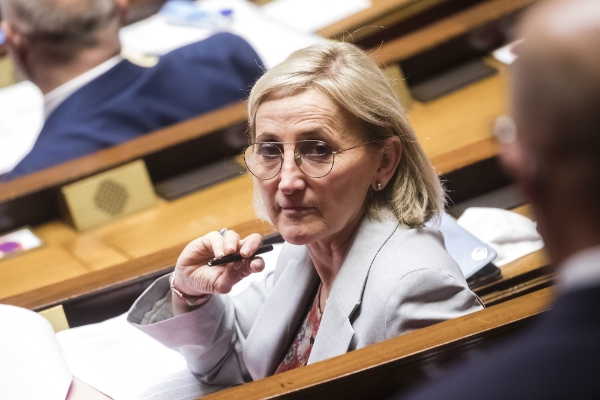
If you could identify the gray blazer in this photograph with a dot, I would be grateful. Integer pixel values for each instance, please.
(394, 280)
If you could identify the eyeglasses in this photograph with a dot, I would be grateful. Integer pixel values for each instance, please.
(314, 158)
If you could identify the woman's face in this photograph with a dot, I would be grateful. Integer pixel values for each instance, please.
(304, 209)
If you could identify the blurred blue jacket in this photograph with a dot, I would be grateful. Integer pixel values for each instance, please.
(129, 101)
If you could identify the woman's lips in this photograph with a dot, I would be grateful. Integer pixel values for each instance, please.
(295, 211)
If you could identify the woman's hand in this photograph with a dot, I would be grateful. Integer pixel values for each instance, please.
(195, 278)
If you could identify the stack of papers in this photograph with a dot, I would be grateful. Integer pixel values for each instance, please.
(272, 40)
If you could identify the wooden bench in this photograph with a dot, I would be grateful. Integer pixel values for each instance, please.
(384, 368)
(448, 128)
(454, 130)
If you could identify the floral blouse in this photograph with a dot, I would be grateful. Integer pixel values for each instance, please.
(299, 352)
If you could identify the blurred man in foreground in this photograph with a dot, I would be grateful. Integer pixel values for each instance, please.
(555, 157)
(94, 99)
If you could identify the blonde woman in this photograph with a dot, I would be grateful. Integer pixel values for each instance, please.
(339, 172)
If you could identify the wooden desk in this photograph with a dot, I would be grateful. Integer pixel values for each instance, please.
(448, 28)
(382, 13)
(381, 369)
(452, 134)
(454, 130)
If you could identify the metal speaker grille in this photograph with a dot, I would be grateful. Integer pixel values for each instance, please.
(111, 197)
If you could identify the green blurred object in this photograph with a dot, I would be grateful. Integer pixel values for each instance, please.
(8, 73)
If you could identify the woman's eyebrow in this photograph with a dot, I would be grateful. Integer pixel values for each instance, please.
(266, 137)
(311, 133)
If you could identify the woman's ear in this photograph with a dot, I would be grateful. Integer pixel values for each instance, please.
(388, 163)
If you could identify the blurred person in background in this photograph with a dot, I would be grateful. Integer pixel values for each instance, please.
(553, 152)
(94, 98)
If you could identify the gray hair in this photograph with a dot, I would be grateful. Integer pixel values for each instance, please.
(353, 80)
(62, 28)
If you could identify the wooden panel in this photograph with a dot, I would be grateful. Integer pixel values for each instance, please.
(125, 250)
(456, 130)
(37, 270)
(382, 13)
(85, 248)
(32, 199)
(445, 29)
(118, 155)
(183, 220)
(525, 275)
(36, 293)
(380, 369)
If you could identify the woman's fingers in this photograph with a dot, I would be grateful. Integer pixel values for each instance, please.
(250, 244)
(194, 276)
(255, 265)
(231, 242)
(235, 272)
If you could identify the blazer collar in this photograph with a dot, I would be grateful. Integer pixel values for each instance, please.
(280, 316)
(335, 331)
(279, 319)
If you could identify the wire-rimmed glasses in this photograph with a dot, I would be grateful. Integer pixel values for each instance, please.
(314, 158)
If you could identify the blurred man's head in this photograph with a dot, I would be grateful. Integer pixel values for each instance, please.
(556, 108)
(58, 32)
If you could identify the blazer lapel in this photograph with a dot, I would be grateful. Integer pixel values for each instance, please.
(335, 331)
(278, 320)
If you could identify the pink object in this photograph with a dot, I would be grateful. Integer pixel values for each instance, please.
(9, 247)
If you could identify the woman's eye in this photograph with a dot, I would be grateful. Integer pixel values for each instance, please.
(320, 149)
(269, 150)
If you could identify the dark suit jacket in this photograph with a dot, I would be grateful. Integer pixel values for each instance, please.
(129, 101)
(557, 358)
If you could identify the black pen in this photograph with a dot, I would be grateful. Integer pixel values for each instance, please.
(238, 257)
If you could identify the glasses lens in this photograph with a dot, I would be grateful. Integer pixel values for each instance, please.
(263, 160)
(316, 158)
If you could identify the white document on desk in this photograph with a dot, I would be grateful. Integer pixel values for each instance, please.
(31, 363)
(271, 39)
(311, 15)
(120, 361)
(21, 120)
(123, 363)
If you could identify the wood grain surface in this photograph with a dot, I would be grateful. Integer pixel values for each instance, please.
(380, 369)
(455, 131)
(443, 30)
(381, 13)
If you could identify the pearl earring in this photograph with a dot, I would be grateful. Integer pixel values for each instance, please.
(378, 186)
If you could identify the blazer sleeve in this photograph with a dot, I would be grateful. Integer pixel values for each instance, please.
(210, 338)
(425, 297)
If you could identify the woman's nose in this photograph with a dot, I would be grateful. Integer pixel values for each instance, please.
(291, 178)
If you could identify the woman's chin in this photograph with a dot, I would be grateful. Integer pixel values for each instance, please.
(298, 235)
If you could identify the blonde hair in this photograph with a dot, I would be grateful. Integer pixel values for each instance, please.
(351, 78)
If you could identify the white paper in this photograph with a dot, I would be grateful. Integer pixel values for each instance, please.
(311, 15)
(511, 235)
(272, 40)
(120, 361)
(31, 362)
(21, 120)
